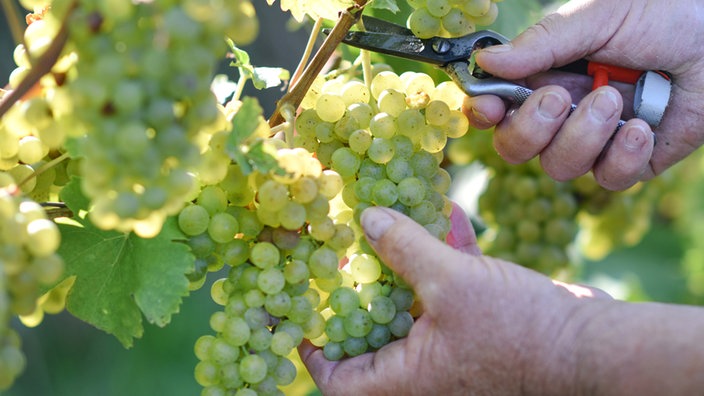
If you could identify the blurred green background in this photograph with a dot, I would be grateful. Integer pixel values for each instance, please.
(68, 357)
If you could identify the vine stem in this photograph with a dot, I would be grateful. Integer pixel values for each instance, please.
(346, 20)
(307, 53)
(43, 66)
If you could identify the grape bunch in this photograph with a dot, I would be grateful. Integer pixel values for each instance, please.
(534, 220)
(28, 262)
(275, 233)
(450, 18)
(386, 141)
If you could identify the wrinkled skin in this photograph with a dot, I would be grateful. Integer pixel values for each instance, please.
(490, 327)
(637, 34)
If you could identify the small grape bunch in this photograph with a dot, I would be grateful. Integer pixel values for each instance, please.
(450, 18)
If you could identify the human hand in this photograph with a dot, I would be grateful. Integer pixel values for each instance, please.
(637, 34)
(488, 326)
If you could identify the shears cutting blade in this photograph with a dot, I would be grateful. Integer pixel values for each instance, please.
(453, 56)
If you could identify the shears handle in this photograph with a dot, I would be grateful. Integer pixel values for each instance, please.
(651, 97)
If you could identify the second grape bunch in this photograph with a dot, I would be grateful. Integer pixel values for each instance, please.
(386, 141)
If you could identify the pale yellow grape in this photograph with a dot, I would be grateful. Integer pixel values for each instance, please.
(385, 80)
(489, 17)
(330, 108)
(438, 8)
(432, 139)
(450, 93)
(457, 124)
(457, 23)
(43, 237)
(476, 8)
(423, 24)
(355, 92)
(418, 83)
(437, 113)
(392, 102)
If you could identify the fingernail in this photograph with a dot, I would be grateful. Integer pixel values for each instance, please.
(636, 138)
(604, 106)
(551, 106)
(498, 49)
(479, 116)
(375, 221)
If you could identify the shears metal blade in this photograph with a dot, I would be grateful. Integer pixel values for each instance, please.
(453, 56)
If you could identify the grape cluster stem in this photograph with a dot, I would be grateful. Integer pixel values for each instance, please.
(294, 97)
(42, 66)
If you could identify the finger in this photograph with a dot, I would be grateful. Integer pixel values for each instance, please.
(361, 375)
(626, 160)
(407, 248)
(576, 147)
(462, 236)
(530, 129)
(484, 111)
(556, 40)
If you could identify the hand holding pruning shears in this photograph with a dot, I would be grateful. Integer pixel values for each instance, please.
(572, 140)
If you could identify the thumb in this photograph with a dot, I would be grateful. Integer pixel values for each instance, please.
(407, 248)
(564, 36)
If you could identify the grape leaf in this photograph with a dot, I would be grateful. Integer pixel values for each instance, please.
(250, 154)
(121, 276)
(328, 9)
(262, 77)
(389, 5)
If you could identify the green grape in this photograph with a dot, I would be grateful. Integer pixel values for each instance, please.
(292, 216)
(398, 169)
(333, 351)
(253, 369)
(271, 280)
(282, 343)
(323, 263)
(381, 150)
(360, 140)
(378, 336)
(236, 331)
(222, 227)
(285, 372)
(265, 255)
(335, 329)
(346, 162)
(260, 339)
(365, 268)
(382, 309)
(272, 195)
(383, 125)
(358, 323)
(385, 192)
(343, 300)
(401, 324)
(402, 298)
(193, 220)
(355, 346)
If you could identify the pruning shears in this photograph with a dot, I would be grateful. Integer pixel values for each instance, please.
(454, 57)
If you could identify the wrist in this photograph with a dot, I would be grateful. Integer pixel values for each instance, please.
(563, 345)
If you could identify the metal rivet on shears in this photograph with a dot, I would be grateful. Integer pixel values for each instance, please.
(441, 46)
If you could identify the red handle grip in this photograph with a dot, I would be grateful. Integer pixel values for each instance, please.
(602, 74)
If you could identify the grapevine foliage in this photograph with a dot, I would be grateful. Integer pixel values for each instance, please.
(152, 173)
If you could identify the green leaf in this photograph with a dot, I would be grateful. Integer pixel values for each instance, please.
(269, 77)
(121, 276)
(389, 5)
(244, 123)
(262, 77)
